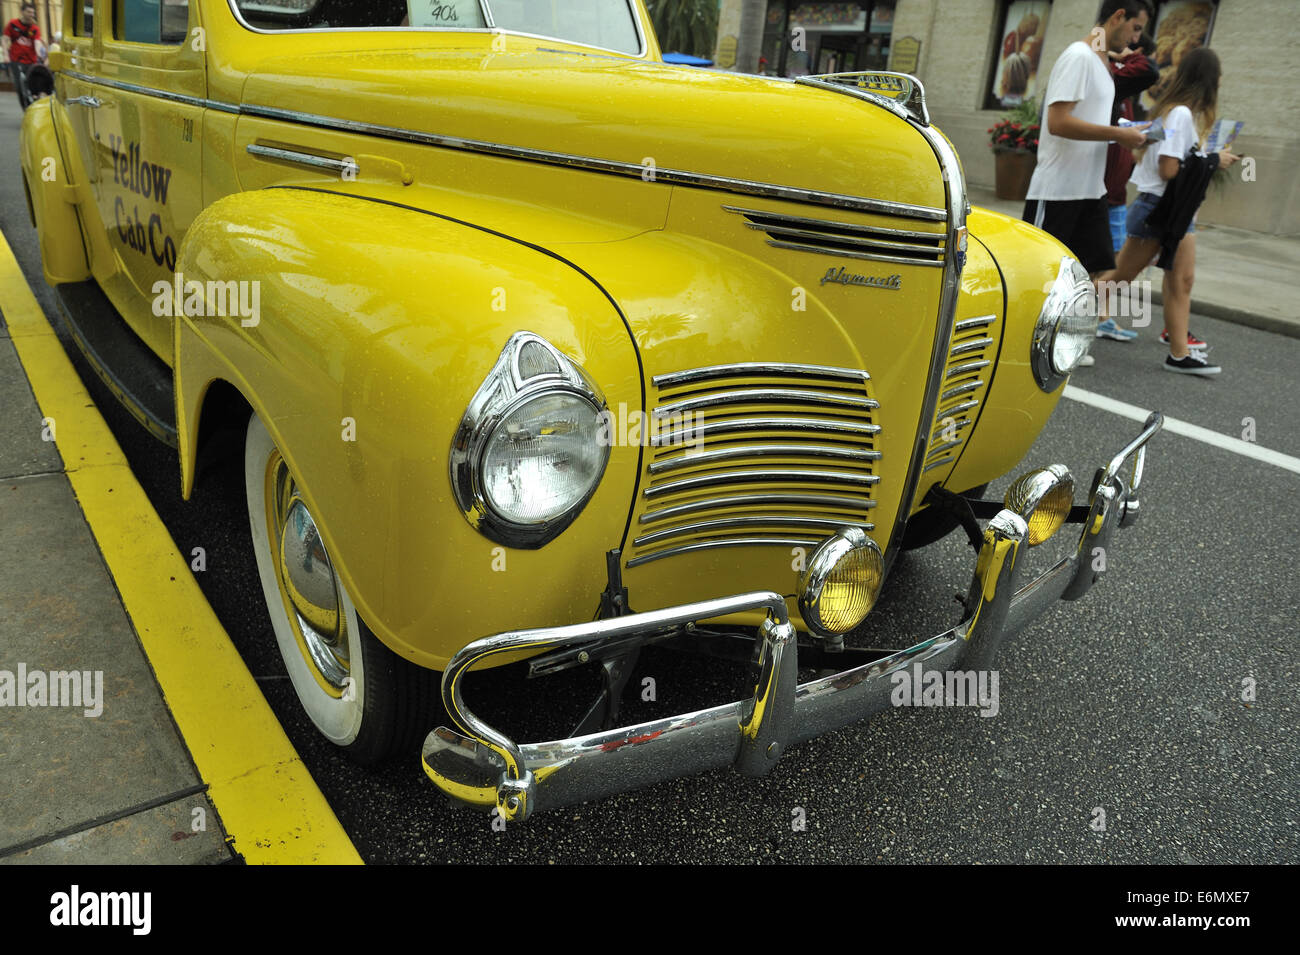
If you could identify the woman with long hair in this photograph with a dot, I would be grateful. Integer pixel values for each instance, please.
(1187, 108)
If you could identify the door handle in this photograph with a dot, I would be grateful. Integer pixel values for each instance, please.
(89, 101)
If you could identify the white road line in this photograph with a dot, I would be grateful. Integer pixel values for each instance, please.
(1246, 449)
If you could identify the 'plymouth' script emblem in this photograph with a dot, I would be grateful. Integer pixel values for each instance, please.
(852, 278)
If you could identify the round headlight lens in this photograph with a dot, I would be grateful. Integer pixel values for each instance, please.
(1075, 331)
(839, 585)
(543, 458)
(1066, 325)
(1042, 497)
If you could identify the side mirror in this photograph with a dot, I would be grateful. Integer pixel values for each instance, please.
(56, 59)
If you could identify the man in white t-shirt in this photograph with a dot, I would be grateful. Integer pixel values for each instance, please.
(1067, 195)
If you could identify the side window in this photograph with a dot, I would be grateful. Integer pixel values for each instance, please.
(153, 21)
(84, 25)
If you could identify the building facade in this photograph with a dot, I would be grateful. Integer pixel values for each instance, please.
(978, 58)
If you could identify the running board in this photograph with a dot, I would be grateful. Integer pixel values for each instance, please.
(137, 377)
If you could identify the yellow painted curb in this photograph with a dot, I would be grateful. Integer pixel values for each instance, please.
(267, 799)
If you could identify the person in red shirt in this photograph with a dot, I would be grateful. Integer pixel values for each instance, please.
(22, 38)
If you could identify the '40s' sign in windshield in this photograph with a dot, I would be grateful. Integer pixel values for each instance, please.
(445, 13)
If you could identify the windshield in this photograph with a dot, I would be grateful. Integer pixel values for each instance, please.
(608, 24)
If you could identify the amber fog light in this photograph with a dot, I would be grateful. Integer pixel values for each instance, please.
(1043, 498)
(839, 586)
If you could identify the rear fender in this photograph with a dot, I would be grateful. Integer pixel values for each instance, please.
(51, 195)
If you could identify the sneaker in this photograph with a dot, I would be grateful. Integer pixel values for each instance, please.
(1108, 329)
(1088, 361)
(1192, 340)
(1194, 363)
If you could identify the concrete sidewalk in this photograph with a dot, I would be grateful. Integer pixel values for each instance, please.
(91, 582)
(1242, 277)
(128, 720)
(107, 779)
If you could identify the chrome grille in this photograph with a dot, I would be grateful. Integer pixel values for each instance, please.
(756, 453)
(901, 246)
(964, 386)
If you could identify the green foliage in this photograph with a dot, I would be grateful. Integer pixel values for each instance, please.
(685, 26)
(1026, 114)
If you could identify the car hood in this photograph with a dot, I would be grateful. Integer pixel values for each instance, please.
(661, 118)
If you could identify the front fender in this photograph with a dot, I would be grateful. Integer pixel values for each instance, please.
(1016, 409)
(375, 325)
(52, 196)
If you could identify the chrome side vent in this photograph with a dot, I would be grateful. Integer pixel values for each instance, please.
(756, 453)
(900, 246)
(964, 386)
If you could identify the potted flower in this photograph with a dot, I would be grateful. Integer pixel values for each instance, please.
(1014, 140)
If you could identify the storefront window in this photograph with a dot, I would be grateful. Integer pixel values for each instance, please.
(1020, 49)
(774, 38)
(1181, 26)
(876, 55)
(804, 37)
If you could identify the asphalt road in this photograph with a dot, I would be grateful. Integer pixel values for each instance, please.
(1129, 700)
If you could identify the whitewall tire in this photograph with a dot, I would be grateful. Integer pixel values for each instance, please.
(357, 692)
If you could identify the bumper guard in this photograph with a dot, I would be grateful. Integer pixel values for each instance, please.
(482, 766)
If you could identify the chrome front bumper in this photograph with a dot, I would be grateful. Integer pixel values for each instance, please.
(482, 766)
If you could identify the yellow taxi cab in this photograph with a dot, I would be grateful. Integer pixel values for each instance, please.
(541, 349)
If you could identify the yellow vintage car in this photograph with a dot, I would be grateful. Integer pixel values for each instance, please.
(542, 350)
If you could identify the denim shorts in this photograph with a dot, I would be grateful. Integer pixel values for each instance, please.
(1138, 211)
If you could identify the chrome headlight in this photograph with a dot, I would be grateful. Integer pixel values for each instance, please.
(1043, 497)
(838, 587)
(1066, 326)
(532, 446)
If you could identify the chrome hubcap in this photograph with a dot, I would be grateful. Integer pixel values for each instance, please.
(308, 580)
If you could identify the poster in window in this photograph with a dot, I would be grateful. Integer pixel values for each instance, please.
(830, 17)
(1015, 79)
(882, 18)
(1181, 26)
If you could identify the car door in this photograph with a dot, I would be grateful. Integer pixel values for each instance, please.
(76, 95)
(150, 87)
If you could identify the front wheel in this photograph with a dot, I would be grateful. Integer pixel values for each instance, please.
(359, 694)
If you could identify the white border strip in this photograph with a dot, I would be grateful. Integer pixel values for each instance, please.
(1246, 449)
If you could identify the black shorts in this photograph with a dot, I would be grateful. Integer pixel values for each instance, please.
(1082, 224)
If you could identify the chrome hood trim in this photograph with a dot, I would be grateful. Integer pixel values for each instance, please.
(676, 177)
(900, 93)
(905, 97)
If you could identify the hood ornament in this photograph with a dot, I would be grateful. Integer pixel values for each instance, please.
(900, 93)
